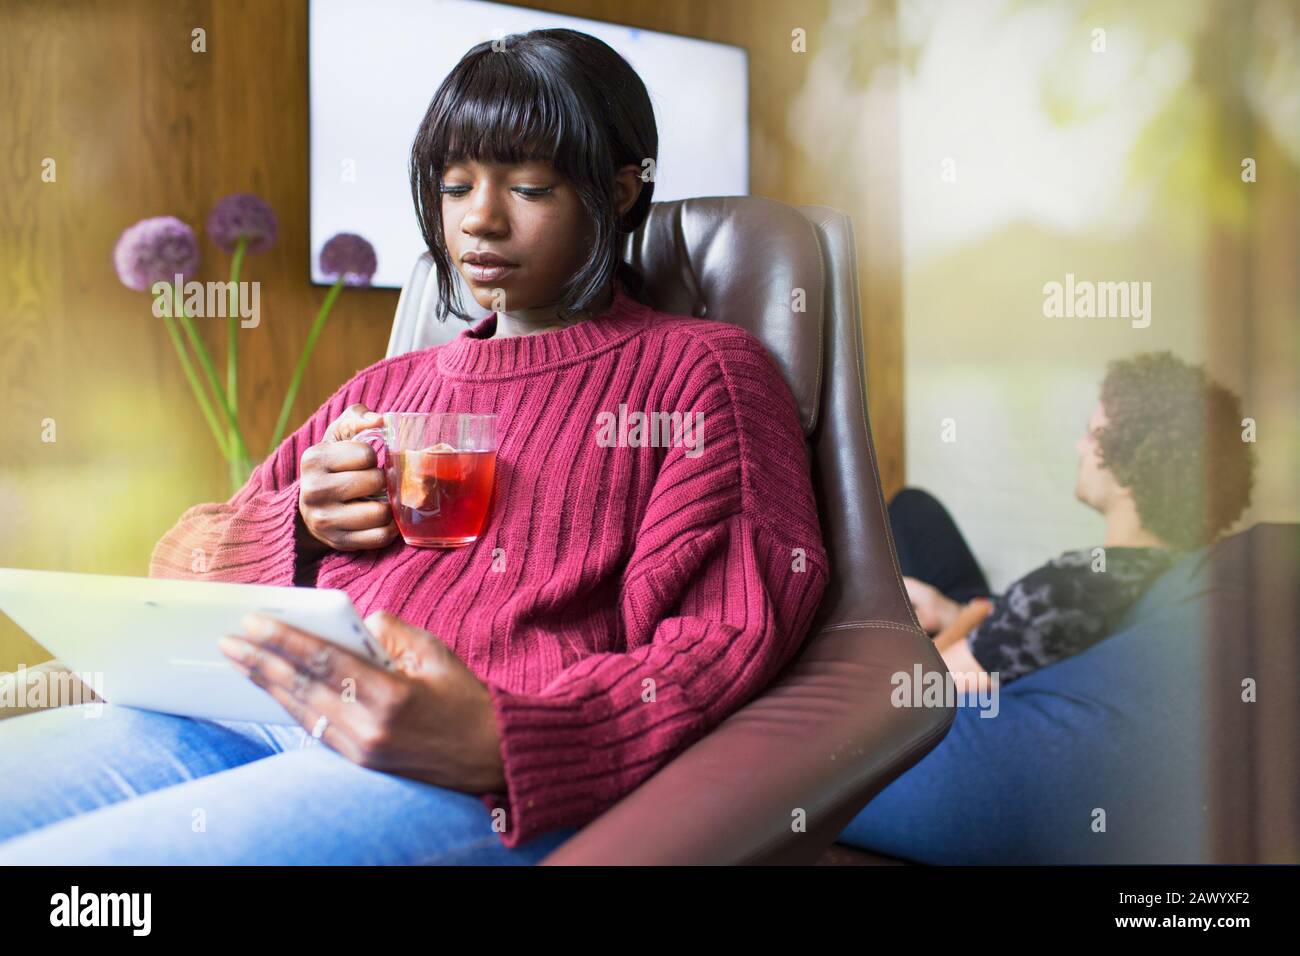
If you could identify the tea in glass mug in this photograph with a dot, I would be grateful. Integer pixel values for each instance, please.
(440, 474)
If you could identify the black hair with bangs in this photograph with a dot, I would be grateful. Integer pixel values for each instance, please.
(557, 96)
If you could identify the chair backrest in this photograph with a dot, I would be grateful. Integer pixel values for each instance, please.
(788, 275)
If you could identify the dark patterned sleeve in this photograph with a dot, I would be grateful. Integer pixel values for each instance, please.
(1049, 614)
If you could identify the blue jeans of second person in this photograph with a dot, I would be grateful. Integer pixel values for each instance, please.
(137, 787)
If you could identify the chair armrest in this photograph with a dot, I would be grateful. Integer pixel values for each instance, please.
(824, 738)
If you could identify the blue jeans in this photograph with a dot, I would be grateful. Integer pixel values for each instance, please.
(136, 787)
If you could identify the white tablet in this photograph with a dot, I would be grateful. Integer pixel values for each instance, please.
(152, 642)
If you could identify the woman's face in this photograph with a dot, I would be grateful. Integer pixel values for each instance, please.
(529, 215)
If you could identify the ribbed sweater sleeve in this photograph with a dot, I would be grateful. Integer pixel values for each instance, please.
(727, 571)
(250, 538)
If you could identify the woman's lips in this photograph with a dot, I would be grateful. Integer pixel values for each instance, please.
(482, 273)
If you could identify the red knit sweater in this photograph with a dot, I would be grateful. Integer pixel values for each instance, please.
(642, 593)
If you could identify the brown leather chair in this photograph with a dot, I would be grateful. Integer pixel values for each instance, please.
(823, 738)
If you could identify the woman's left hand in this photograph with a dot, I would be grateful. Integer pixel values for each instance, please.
(431, 719)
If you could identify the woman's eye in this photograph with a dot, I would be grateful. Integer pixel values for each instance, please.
(528, 192)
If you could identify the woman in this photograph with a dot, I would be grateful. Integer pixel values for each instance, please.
(621, 602)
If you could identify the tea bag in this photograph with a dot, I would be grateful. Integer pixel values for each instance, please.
(420, 479)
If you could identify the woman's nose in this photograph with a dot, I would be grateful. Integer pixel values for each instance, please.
(484, 215)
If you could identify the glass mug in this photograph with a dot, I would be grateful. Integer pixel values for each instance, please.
(440, 474)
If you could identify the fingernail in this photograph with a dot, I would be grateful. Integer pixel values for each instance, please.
(257, 625)
(233, 646)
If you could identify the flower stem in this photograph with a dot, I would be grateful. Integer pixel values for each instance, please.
(236, 442)
(232, 363)
(188, 368)
(312, 336)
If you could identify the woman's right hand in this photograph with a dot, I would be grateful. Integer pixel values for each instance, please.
(335, 475)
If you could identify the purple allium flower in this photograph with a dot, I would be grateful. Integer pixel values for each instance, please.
(242, 216)
(155, 250)
(350, 256)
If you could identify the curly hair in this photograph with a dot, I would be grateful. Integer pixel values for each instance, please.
(1174, 437)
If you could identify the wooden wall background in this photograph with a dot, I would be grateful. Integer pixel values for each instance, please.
(139, 125)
